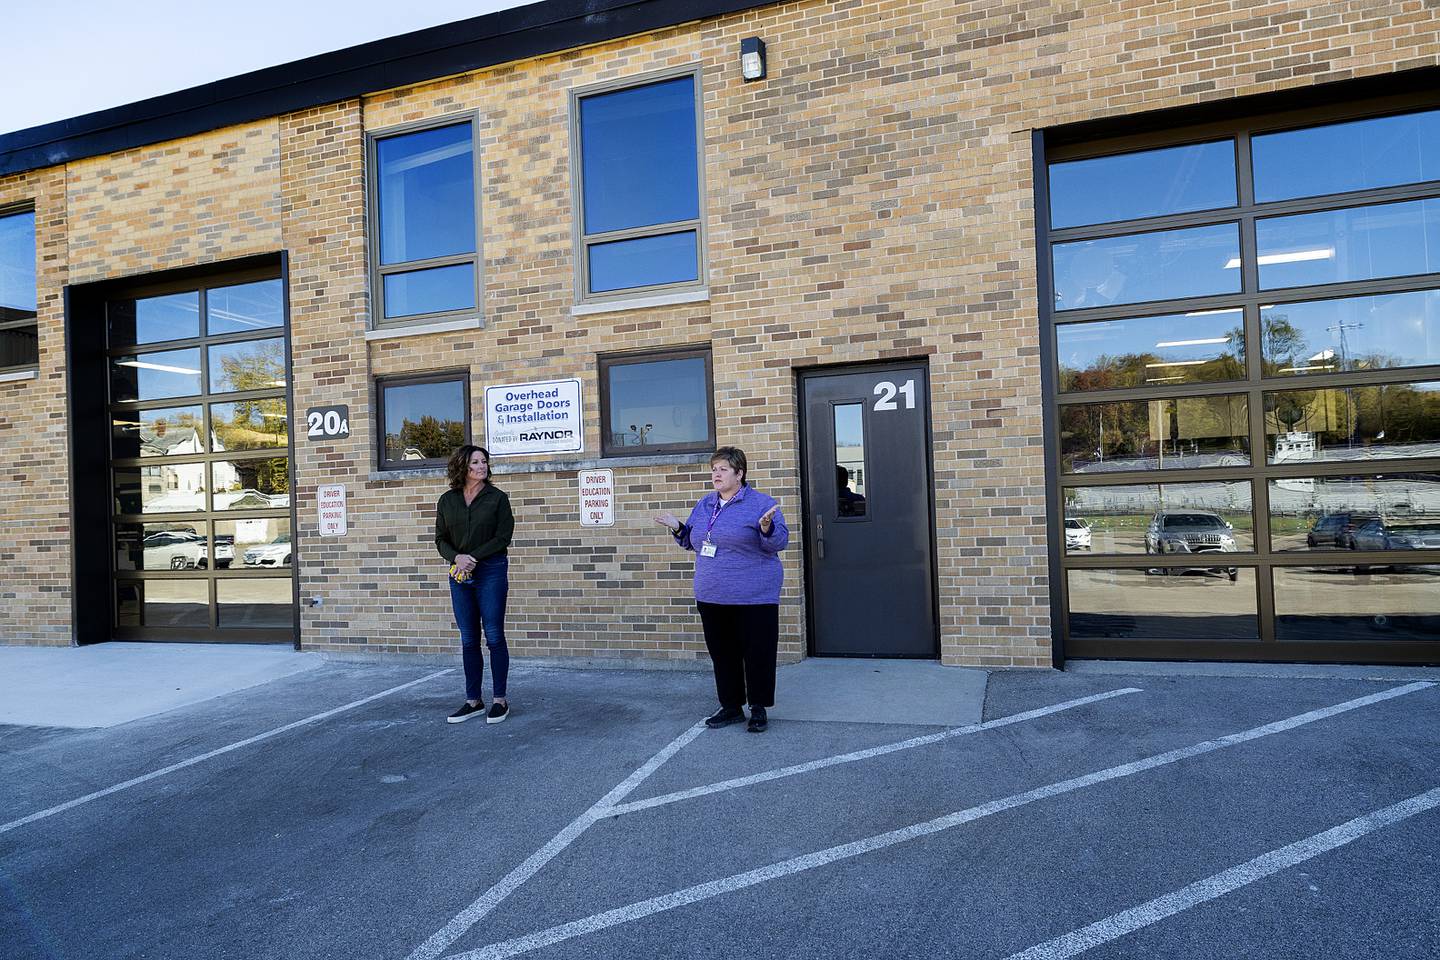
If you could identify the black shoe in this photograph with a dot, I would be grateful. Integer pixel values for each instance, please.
(466, 711)
(724, 717)
(498, 712)
(758, 720)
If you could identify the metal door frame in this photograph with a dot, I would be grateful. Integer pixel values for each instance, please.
(803, 374)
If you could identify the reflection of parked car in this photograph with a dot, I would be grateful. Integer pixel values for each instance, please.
(276, 553)
(1191, 531)
(1077, 534)
(174, 550)
(1327, 529)
(1408, 534)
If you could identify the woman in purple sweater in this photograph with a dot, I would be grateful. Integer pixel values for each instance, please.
(737, 534)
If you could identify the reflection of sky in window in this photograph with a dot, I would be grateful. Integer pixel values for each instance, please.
(154, 376)
(849, 430)
(638, 156)
(1358, 333)
(664, 401)
(253, 365)
(248, 306)
(443, 401)
(430, 291)
(644, 262)
(152, 319)
(1361, 243)
(1147, 266)
(427, 194)
(1339, 157)
(1150, 183)
(17, 263)
(1174, 341)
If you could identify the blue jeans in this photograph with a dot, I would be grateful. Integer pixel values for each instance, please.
(481, 601)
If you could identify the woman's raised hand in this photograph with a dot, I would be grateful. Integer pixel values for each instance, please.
(767, 519)
(668, 521)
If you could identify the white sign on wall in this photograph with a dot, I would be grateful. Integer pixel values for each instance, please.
(331, 501)
(597, 498)
(534, 418)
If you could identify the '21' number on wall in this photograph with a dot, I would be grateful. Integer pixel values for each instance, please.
(886, 391)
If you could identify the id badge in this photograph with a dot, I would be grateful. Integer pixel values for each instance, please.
(707, 549)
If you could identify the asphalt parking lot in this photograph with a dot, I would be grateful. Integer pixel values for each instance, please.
(333, 813)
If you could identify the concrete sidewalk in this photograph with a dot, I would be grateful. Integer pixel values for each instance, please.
(113, 683)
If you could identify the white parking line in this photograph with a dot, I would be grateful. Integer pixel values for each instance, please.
(799, 768)
(508, 884)
(61, 808)
(775, 871)
(1153, 911)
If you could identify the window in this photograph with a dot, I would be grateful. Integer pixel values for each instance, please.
(19, 337)
(657, 403)
(638, 187)
(1245, 341)
(423, 420)
(425, 240)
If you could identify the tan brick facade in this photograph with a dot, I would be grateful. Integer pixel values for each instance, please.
(872, 199)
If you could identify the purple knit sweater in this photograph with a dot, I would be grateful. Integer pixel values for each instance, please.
(746, 565)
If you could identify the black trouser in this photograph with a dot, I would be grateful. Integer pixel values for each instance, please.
(742, 639)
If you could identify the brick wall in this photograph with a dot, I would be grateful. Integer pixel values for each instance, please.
(871, 199)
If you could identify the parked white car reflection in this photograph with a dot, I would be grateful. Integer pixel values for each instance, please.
(276, 553)
(175, 550)
(1191, 531)
(1077, 534)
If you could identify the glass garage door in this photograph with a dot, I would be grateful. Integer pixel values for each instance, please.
(200, 464)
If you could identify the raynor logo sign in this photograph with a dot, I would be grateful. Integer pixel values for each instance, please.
(541, 417)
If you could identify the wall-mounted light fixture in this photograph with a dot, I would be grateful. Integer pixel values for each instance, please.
(752, 58)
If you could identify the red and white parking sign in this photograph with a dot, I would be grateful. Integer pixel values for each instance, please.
(331, 501)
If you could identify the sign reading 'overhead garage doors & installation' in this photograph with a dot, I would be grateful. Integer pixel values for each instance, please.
(533, 418)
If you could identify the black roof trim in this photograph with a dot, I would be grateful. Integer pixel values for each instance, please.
(496, 38)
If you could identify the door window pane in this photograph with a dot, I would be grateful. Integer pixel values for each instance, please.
(155, 376)
(163, 488)
(1199, 347)
(251, 484)
(426, 195)
(244, 307)
(174, 316)
(17, 266)
(1170, 434)
(255, 602)
(1168, 518)
(249, 424)
(258, 543)
(1202, 603)
(643, 262)
(1328, 513)
(162, 432)
(249, 365)
(1356, 604)
(661, 403)
(1147, 266)
(162, 546)
(423, 421)
(639, 164)
(1340, 157)
(437, 290)
(162, 603)
(1150, 183)
(1354, 333)
(1361, 243)
(850, 459)
(1354, 423)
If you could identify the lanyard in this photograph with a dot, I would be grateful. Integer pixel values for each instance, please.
(719, 505)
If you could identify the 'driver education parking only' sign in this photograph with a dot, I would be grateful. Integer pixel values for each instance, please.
(534, 418)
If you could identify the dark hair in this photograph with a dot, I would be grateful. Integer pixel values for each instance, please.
(459, 466)
(733, 456)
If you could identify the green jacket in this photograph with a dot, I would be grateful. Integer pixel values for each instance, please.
(482, 529)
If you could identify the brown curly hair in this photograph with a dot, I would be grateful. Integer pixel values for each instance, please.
(459, 466)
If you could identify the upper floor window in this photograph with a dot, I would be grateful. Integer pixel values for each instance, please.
(638, 185)
(425, 240)
(19, 338)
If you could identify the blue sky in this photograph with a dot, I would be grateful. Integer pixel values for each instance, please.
(124, 52)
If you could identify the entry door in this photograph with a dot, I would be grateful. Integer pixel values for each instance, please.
(869, 561)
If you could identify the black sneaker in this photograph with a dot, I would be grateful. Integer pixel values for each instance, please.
(498, 712)
(465, 712)
(724, 717)
(758, 720)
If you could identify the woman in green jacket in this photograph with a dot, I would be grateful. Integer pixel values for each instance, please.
(473, 528)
